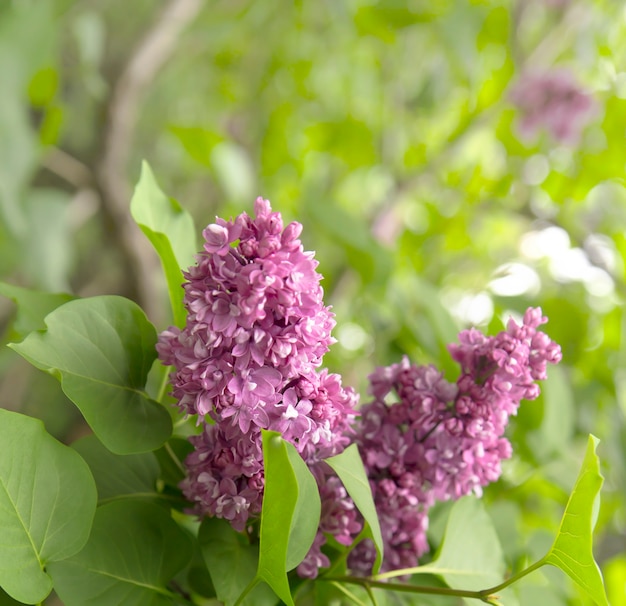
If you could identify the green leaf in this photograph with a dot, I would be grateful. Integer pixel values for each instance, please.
(572, 549)
(47, 503)
(171, 231)
(291, 506)
(119, 475)
(134, 551)
(232, 564)
(349, 467)
(470, 556)
(32, 306)
(101, 349)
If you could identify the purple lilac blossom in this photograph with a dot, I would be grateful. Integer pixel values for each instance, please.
(553, 101)
(424, 439)
(246, 360)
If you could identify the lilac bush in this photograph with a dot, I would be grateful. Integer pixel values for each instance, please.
(248, 359)
(424, 439)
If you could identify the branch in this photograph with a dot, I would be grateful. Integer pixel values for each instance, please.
(152, 52)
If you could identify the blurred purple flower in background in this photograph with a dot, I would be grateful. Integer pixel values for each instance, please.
(554, 101)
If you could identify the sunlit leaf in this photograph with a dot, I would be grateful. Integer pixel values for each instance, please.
(101, 349)
(291, 506)
(232, 562)
(470, 556)
(349, 467)
(171, 231)
(47, 503)
(134, 551)
(572, 549)
(119, 475)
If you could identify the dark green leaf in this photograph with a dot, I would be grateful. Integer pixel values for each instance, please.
(134, 551)
(572, 549)
(101, 349)
(119, 475)
(232, 564)
(349, 467)
(47, 503)
(171, 231)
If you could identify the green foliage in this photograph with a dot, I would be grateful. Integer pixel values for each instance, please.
(572, 549)
(290, 514)
(232, 562)
(133, 552)
(171, 231)
(101, 350)
(119, 476)
(47, 503)
(468, 524)
(349, 467)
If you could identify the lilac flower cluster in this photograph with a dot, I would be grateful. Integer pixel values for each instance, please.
(555, 101)
(247, 359)
(437, 440)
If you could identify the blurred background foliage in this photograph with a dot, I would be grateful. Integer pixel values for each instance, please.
(386, 128)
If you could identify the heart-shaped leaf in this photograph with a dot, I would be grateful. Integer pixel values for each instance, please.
(171, 231)
(470, 556)
(572, 549)
(232, 562)
(101, 349)
(47, 504)
(119, 475)
(349, 467)
(134, 551)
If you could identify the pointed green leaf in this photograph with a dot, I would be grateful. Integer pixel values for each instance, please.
(134, 551)
(232, 562)
(101, 349)
(171, 231)
(32, 306)
(47, 504)
(119, 475)
(291, 507)
(572, 549)
(470, 556)
(349, 467)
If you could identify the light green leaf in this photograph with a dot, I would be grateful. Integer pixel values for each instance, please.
(47, 503)
(119, 475)
(171, 231)
(572, 549)
(101, 349)
(134, 551)
(349, 467)
(232, 562)
(290, 506)
(32, 306)
(470, 556)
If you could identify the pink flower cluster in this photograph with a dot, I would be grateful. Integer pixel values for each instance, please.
(247, 359)
(554, 101)
(424, 439)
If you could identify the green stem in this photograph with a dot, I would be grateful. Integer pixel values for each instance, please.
(344, 555)
(163, 386)
(174, 458)
(485, 595)
(251, 585)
